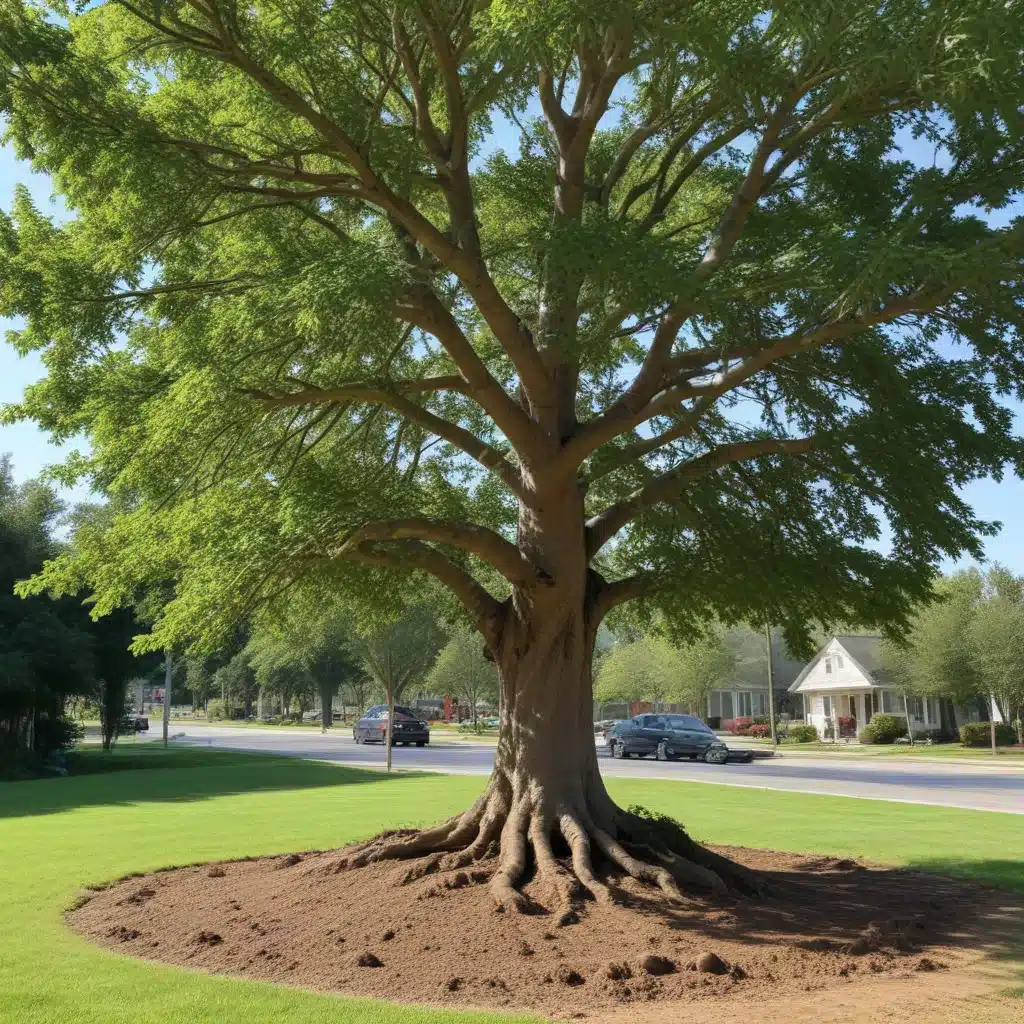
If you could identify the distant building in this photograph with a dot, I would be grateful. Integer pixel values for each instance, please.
(846, 680)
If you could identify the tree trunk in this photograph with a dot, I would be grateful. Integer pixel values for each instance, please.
(326, 706)
(391, 724)
(546, 807)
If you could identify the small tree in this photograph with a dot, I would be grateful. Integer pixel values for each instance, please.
(462, 670)
(645, 670)
(398, 654)
(654, 669)
(998, 631)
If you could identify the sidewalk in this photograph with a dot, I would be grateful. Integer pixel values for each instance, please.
(896, 755)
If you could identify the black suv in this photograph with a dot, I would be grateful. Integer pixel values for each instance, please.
(669, 737)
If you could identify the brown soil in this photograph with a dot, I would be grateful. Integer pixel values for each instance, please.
(843, 941)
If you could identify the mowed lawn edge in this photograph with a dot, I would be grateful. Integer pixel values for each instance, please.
(60, 835)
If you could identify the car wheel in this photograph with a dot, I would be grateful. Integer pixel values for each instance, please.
(661, 753)
(421, 743)
(617, 749)
(711, 757)
(355, 736)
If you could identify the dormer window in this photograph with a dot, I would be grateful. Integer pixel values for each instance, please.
(828, 666)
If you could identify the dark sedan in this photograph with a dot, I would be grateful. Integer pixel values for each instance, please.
(669, 737)
(373, 727)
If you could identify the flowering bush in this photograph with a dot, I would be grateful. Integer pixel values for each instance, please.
(847, 726)
(759, 729)
(738, 726)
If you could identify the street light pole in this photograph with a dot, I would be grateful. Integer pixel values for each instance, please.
(771, 684)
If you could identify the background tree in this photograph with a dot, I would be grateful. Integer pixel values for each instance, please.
(199, 680)
(399, 654)
(47, 654)
(321, 331)
(463, 671)
(998, 631)
(967, 645)
(313, 639)
(645, 670)
(654, 669)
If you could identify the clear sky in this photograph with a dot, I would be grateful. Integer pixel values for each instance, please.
(1002, 501)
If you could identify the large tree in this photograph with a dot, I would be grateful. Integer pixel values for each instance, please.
(695, 340)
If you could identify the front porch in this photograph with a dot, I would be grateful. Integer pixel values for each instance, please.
(831, 711)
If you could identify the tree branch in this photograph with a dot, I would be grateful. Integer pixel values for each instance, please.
(483, 608)
(488, 457)
(468, 267)
(611, 595)
(429, 314)
(476, 540)
(665, 488)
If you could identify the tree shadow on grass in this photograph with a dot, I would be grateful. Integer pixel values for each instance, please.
(1007, 874)
(139, 775)
(864, 914)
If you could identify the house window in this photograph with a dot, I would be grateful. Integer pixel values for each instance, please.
(760, 704)
(914, 708)
(839, 661)
(890, 702)
(828, 666)
(826, 706)
(743, 706)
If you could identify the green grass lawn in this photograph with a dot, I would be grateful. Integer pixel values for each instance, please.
(181, 806)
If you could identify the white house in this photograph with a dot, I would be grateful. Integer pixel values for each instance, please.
(844, 680)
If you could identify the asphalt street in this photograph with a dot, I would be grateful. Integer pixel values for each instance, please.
(970, 785)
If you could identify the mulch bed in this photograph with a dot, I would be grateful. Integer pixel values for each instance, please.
(297, 919)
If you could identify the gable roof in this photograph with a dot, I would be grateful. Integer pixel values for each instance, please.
(865, 652)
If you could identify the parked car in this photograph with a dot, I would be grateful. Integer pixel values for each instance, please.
(670, 737)
(140, 723)
(409, 728)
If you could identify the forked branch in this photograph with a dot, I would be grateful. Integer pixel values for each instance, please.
(667, 487)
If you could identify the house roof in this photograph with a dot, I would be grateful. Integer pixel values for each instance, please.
(865, 652)
(751, 670)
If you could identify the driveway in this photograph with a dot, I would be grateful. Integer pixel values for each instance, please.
(977, 787)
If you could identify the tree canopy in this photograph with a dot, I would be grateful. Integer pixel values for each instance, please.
(968, 645)
(738, 299)
(711, 284)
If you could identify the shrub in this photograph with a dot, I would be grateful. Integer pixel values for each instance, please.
(803, 733)
(883, 729)
(978, 734)
(759, 729)
(737, 725)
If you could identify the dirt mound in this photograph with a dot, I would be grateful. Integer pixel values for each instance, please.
(438, 939)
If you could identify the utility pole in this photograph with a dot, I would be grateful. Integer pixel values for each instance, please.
(168, 669)
(771, 683)
(992, 722)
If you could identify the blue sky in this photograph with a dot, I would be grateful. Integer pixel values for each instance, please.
(32, 451)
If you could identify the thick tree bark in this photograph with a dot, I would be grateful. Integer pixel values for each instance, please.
(546, 810)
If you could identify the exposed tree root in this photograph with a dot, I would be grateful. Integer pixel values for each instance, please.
(515, 829)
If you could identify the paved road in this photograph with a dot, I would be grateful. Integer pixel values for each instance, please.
(973, 786)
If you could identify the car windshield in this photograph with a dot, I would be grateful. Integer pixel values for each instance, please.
(687, 722)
